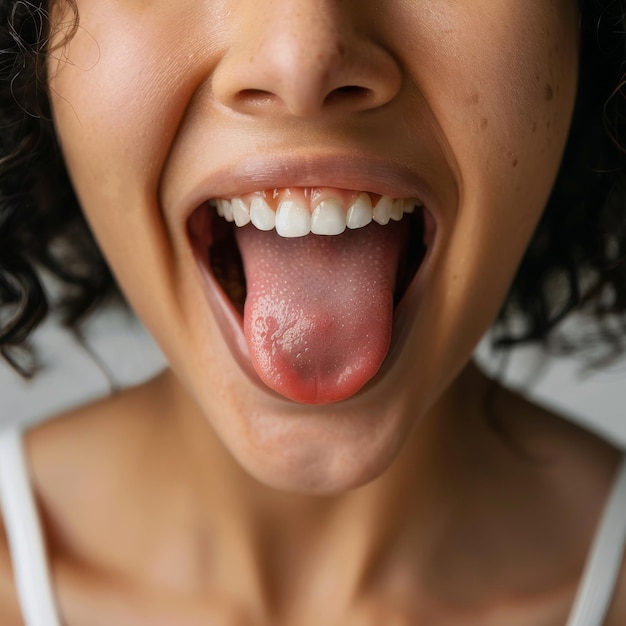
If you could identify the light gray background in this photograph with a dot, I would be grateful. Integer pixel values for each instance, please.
(70, 376)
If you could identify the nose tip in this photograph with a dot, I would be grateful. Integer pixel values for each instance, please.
(308, 61)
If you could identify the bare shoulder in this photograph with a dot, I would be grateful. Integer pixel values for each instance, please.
(65, 456)
(44, 444)
(583, 468)
(89, 435)
(557, 440)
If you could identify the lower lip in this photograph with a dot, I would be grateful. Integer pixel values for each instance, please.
(231, 323)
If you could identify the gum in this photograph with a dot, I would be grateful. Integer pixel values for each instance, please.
(310, 196)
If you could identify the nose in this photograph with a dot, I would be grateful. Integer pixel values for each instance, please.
(304, 58)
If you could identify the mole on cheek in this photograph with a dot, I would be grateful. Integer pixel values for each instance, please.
(549, 93)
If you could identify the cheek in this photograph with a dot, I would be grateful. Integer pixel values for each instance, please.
(503, 100)
(117, 100)
(104, 100)
(108, 89)
(506, 76)
(518, 106)
(511, 80)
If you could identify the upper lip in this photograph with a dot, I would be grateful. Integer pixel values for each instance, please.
(341, 171)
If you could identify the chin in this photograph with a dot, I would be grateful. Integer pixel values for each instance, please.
(317, 450)
(318, 468)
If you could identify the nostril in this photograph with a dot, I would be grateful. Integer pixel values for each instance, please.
(255, 97)
(354, 96)
(349, 90)
(348, 93)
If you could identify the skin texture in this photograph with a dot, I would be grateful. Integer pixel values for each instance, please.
(212, 499)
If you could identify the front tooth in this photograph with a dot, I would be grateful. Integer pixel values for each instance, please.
(382, 211)
(225, 209)
(360, 212)
(261, 214)
(292, 219)
(241, 212)
(328, 218)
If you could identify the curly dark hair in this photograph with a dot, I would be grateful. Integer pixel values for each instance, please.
(579, 245)
(41, 225)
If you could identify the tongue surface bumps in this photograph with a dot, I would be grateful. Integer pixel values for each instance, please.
(319, 309)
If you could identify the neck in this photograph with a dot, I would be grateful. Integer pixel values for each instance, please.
(285, 532)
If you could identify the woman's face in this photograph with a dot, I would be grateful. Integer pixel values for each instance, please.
(316, 114)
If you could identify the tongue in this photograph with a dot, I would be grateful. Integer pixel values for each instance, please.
(319, 309)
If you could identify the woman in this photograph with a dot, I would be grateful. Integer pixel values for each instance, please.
(317, 209)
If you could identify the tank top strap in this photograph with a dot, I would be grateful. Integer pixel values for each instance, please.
(24, 534)
(604, 562)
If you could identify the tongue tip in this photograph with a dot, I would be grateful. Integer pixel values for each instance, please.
(317, 396)
(320, 390)
(317, 361)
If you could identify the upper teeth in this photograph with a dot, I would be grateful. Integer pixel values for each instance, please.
(296, 216)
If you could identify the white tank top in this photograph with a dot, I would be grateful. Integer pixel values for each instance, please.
(34, 587)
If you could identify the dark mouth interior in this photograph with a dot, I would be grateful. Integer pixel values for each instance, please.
(413, 254)
(226, 264)
(227, 267)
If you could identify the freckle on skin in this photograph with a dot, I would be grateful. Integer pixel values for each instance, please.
(549, 93)
(484, 122)
(515, 162)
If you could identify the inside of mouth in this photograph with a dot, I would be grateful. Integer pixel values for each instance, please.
(225, 263)
(316, 311)
(222, 253)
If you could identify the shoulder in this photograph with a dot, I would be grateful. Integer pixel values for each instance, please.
(589, 470)
(89, 435)
(87, 439)
(555, 441)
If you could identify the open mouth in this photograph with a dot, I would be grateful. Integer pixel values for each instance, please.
(312, 277)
